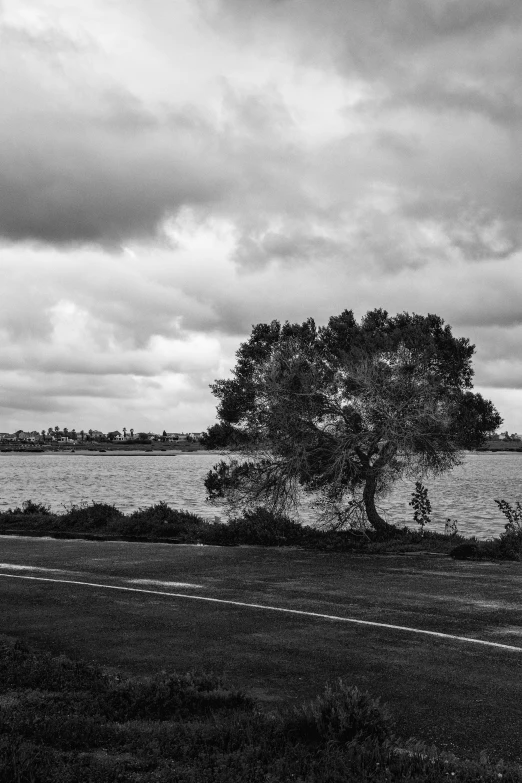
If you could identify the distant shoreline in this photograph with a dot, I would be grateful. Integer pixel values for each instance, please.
(104, 451)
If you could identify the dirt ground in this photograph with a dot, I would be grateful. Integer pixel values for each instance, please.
(461, 696)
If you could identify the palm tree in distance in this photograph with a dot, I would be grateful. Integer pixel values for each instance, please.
(82, 433)
(124, 433)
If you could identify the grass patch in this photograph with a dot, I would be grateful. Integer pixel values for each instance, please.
(70, 722)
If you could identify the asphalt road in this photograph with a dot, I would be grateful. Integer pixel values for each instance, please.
(462, 696)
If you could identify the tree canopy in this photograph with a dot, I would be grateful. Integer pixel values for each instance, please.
(346, 409)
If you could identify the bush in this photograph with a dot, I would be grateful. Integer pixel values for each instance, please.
(170, 696)
(56, 720)
(189, 728)
(162, 520)
(261, 526)
(20, 667)
(465, 551)
(90, 517)
(510, 544)
(342, 714)
(30, 508)
(507, 547)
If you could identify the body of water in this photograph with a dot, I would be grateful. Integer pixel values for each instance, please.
(466, 494)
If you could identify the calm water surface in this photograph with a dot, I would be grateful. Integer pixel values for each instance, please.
(130, 482)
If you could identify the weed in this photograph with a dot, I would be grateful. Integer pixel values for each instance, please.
(20, 667)
(30, 508)
(513, 514)
(451, 527)
(342, 714)
(192, 729)
(421, 505)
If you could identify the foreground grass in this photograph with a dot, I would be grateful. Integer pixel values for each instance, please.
(66, 722)
(259, 527)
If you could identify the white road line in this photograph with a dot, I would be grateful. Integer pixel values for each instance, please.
(334, 617)
(159, 583)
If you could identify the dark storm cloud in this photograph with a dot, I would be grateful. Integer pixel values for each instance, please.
(86, 162)
(299, 157)
(370, 33)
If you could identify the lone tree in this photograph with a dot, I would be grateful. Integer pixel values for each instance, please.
(345, 410)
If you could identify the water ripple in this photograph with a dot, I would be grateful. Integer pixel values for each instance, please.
(130, 482)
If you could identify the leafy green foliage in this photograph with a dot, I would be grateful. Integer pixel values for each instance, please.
(258, 527)
(167, 696)
(341, 714)
(91, 516)
(161, 520)
(346, 406)
(30, 508)
(451, 527)
(192, 729)
(21, 668)
(421, 505)
(513, 514)
(263, 527)
(222, 436)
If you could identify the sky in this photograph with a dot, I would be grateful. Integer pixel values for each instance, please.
(172, 173)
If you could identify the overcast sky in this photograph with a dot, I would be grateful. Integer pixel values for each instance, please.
(174, 171)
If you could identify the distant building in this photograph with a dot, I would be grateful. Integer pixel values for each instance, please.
(30, 437)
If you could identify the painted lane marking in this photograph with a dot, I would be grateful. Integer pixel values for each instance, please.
(162, 584)
(265, 607)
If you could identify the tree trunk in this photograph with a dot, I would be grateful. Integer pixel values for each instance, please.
(374, 518)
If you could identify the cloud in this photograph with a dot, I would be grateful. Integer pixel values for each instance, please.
(83, 160)
(171, 174)
(436, 114)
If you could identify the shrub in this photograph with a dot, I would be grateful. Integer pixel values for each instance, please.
(90, 517)
(507, 547)
(261, 526)
(190, 728)
(30, 508)
(22, 762)
(20, 667)
(421, 505)
(64, 721)
(161, 519)
(342, 714)
(466, 551)
(170, 696)
(510, 544)
(513, 514)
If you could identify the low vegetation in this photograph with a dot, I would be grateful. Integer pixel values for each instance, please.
(71, 722)
(258, 527)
